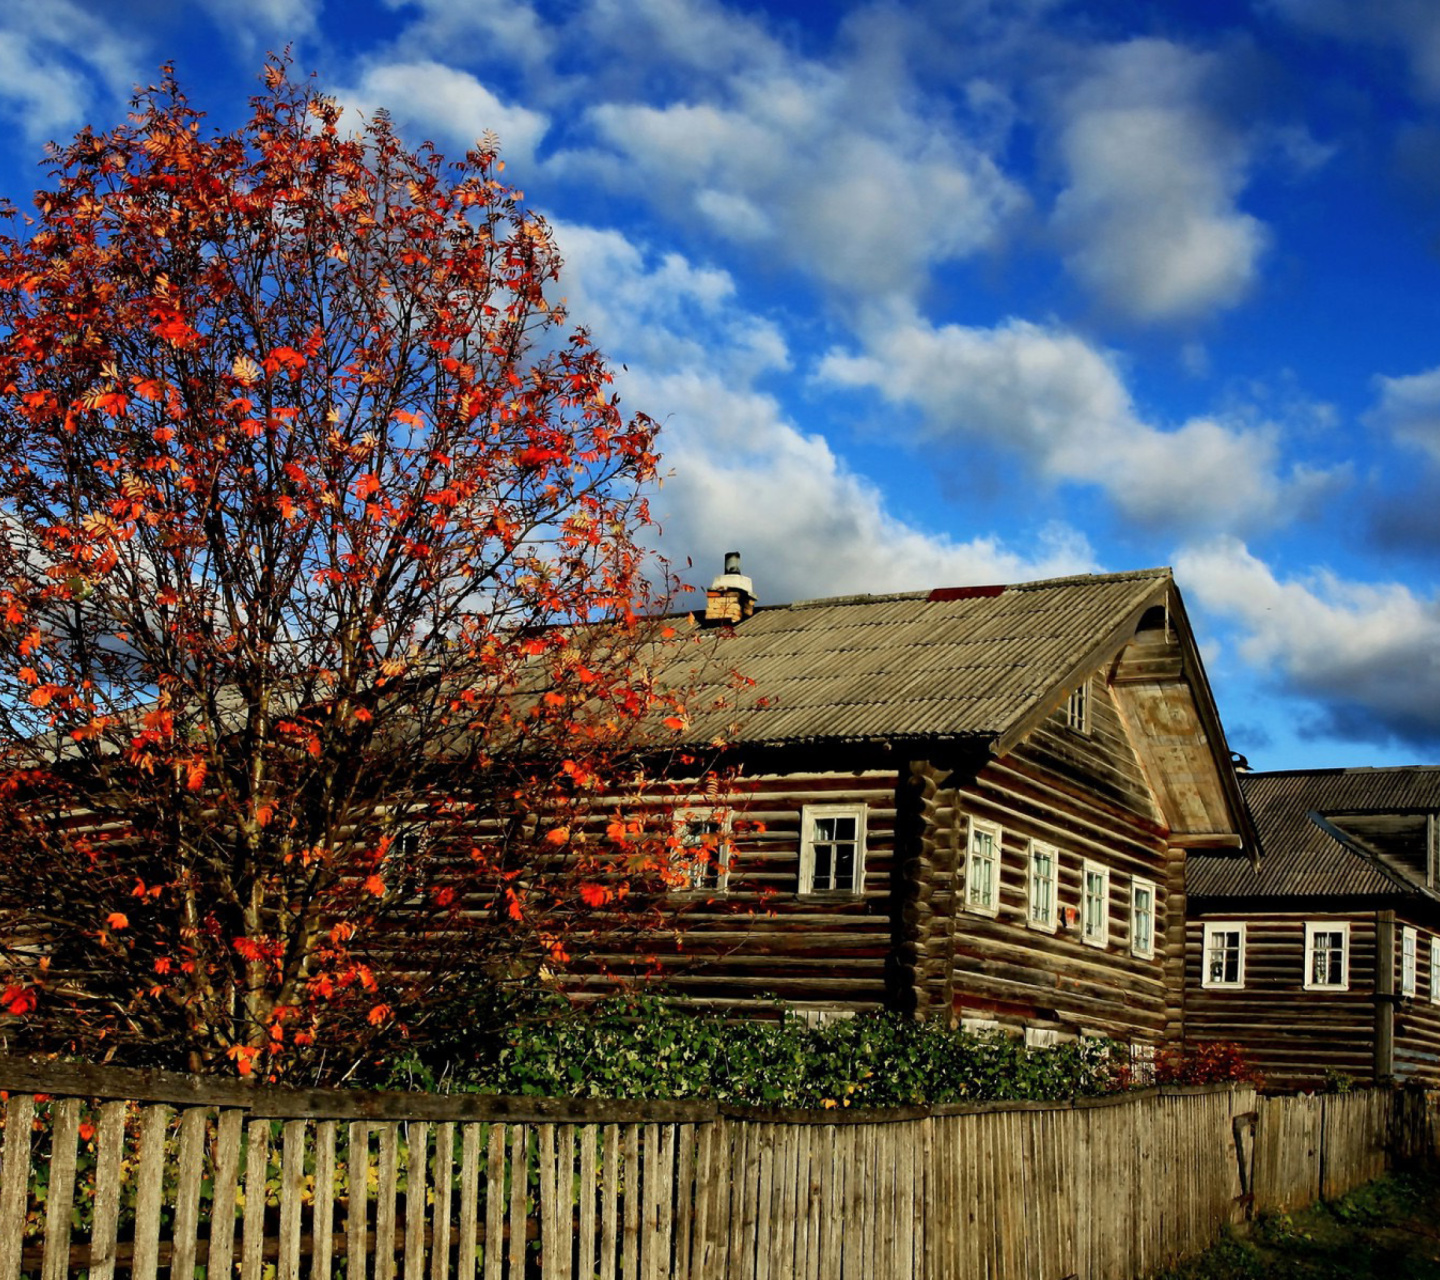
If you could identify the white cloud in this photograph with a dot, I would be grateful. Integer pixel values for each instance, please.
(55, 60)
(450, 107)
(1149, 213)
(251, 22)
(746, 478)
(744, 475)
(508, 29)
(1050, 397)
(1409, 409)
(1367, 653)
(840, 168)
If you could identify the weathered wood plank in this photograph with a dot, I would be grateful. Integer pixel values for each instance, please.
(495, 1204)
(292, 1188)
(585, 1240)
(14, 1175)
(60, 1195)
(149, 1188)
(610, 1203)
(221, 1249)
(257, 1160)
(357, 1206)
(442, 1180)
(322, 1258)
(386, 1197)
(634, 1191)
(519, 1181)
(417, 1134)
(467, 1242)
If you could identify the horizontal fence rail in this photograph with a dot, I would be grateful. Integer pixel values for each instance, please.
(104, 1172)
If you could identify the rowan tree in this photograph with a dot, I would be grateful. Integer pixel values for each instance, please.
(311, 505)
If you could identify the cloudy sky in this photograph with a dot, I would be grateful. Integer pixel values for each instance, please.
(930, 293)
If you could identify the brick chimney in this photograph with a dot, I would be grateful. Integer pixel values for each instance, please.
(731, 597)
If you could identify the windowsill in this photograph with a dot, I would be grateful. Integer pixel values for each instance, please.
(1222, 986)
(830, 895)
(980, 909)
(1325, 986)
(1041, 926)
(1100, 944)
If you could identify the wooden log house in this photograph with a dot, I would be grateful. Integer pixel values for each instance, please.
(1327, 957)
(974, 804)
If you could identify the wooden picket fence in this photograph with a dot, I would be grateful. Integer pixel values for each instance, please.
(393, 1186)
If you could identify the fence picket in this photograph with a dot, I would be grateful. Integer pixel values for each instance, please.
(14, 1174)
(417, 1139)
(386, 1184)
(257, 1158)
(322, 1259)
(60, 1195)
(441, 1179)
(357, 1205)
(292, 1188)
(189, 1171)
(519, 1182)
(469, 1204)
(1103, 1187)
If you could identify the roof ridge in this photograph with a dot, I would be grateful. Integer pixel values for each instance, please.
(1160, 573)
(1335, 771)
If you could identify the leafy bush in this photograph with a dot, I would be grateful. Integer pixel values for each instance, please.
(643, 1048)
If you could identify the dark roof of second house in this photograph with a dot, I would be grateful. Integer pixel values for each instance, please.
(1304, 854)
(950, 664)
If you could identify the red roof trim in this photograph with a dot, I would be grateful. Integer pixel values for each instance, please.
(963, 593)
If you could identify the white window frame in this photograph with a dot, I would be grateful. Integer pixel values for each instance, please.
(1212, 928)
(1435, 970)
(808, 817)
(1077, 707)
(1408, 947)
(987, 906)
(1313, 928)
(1047, 922)
(1041, 1037)
(686, 865)
(1095, 937)
(1143, 946)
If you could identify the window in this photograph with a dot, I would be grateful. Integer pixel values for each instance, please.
(1224, 956)
(1095, 905)
(702, 850)
(1435, 970)
(1142, 1064)
(1077, 708)
(1041, 1037)
(1327, 956)
(1407, 961)
(1142, 918)
(1044, 870)
(832, 848)
(982, 868)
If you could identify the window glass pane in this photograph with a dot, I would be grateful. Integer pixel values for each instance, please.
(822, 866)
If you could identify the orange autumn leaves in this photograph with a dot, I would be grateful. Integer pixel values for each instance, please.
(323, 596)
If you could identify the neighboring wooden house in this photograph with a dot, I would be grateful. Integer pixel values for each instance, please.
(973, 804)
(1326, 958)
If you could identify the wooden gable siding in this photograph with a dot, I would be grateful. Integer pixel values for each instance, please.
(1417, 1018)
(1085, 794)
(1292, 1035)
(761, 937)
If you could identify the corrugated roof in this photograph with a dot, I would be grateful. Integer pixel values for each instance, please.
(1302, 859)
(965, 663)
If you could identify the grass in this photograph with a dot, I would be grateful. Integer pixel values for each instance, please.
(1389, 1228)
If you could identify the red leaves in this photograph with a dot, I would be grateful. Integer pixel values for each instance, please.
(330, 536)
(17, 1001)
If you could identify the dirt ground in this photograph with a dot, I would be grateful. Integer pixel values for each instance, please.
(1389, 1229)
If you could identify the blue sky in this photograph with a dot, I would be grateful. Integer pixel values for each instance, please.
(956, 292)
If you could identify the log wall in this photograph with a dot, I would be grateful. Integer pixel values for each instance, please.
(1086, 794)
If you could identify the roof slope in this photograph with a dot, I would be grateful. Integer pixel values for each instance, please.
(1301, 858)
(963, 663)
